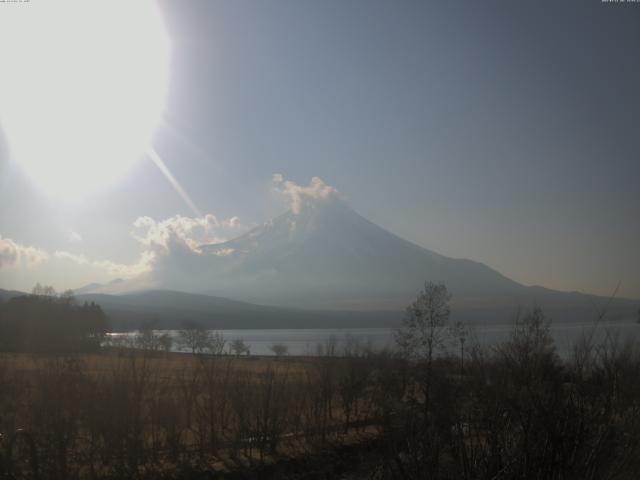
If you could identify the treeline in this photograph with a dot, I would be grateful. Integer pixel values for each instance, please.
(45, 321)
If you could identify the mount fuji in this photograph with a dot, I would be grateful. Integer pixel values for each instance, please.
(321, 255)
(327, 256)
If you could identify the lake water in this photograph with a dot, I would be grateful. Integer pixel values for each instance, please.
(307, 341)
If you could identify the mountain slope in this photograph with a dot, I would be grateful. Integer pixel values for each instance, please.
(329, 256)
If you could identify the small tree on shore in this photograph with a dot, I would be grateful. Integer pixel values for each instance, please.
(193, 337)
(238, 347)
(165, 342)
(215, 343)
(147, 339)
(279, 349)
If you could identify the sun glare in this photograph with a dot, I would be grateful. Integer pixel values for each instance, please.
(82, 87)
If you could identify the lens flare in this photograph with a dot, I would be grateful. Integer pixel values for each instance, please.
(82, 89)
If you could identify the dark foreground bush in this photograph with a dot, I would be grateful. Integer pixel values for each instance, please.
(518, 412)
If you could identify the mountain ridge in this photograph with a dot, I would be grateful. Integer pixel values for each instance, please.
(326, 257)
(167, 309)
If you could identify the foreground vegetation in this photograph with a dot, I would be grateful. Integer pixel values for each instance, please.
(515, 411)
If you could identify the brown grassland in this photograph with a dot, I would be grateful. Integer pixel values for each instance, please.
(515, 411)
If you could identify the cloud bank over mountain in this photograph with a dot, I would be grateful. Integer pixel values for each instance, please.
(170, 247)
(163, 243)
(188, 232)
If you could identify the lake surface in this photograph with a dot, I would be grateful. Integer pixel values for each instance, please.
(312, 341)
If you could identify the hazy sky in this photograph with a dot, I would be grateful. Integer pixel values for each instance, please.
(505, 132)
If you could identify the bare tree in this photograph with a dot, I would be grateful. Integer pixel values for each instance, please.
(147, 339)
(238, 347)
(459, 333)
(279, 349)
(43, 291)
(199, 340)
(215, 343)
(421, 331)
(165, 341)
(328, 348)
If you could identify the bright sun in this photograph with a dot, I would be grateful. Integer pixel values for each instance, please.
(82, 89)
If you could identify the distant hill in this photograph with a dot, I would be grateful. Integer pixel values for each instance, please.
(170, 309)
(7, 294)
(96, 287)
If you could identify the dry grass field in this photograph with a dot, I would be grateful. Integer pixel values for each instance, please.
(515, 411)
(122, 413)
(170, 364)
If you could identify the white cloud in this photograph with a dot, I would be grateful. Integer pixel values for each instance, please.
(301, 196)
(13, 254)
(143, 265)
(223, 252)
(177, 237)
(190, 232)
